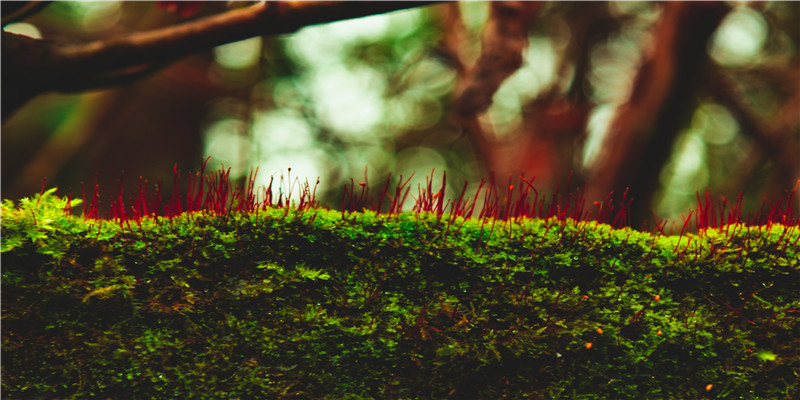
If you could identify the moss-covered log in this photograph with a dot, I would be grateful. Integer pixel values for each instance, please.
(283, 304)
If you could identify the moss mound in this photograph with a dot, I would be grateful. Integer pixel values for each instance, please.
(283, 304)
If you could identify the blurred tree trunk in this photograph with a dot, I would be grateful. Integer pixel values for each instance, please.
(641, 136)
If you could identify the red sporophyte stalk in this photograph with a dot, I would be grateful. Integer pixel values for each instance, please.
(216, 193)
(67, 207)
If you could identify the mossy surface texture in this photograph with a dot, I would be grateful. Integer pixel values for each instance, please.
(281, 304)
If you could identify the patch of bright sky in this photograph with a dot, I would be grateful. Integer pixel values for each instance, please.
(538, 70)
(348, 100)
(283, 129)
(286, 140)
(23, 28)
(319, 45)
(347, 96)
(239, 55)
(740, 38)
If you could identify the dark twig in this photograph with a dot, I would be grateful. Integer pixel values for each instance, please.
(34, 66)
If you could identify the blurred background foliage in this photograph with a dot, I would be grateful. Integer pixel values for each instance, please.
(366, 97)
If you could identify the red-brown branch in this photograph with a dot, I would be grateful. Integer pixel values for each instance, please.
(33, 66)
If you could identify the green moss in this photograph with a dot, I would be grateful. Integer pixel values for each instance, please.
(309, 304)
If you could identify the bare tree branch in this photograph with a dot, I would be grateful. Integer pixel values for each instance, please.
(451, 53)
(33, 66)
(505, 36)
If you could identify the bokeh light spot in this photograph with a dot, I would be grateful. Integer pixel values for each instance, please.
(320, 45)
(288, 93)
(536, 73)
(430, 76)
(350, 101)
(306, 166)
(239, 55)
(690, 156)
(685, 174)
(278, 130)
(226, 144)
(715, 124)
(740, 38)
(23, 28)
(597, 129)
(474, 14)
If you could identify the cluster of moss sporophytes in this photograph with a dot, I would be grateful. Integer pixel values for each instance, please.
(237, 300)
